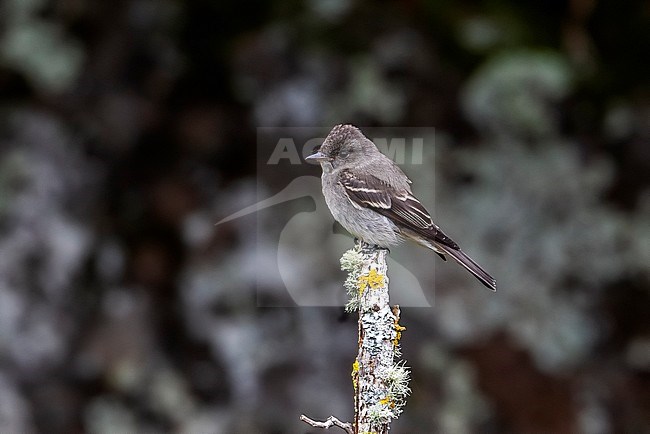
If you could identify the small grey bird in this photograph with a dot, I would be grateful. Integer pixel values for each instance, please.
(370, 196)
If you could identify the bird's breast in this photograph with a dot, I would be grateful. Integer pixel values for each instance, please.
(363, 223)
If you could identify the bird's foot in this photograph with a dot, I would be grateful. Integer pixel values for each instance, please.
(365, 247)
(381, 248)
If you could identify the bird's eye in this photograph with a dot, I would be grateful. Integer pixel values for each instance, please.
(344, 154)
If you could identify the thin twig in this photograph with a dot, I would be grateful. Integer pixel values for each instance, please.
(330, 422)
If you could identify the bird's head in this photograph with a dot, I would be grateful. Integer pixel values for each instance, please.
(345, 146)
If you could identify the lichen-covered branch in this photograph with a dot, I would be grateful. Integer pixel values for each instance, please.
(380, 380)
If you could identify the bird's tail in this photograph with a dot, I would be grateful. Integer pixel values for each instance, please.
(470, 265)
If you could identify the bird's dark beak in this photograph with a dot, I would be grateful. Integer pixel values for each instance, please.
(317, 157)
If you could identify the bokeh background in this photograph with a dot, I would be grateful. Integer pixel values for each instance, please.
(128, 128)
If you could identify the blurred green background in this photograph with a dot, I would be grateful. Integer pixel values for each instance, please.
(128, 128)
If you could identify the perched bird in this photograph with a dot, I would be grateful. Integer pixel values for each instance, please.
(370, 196)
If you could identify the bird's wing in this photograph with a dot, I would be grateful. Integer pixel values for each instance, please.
(366, 191)
(399, 205)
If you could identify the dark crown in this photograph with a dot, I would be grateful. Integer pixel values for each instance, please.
(340, 134)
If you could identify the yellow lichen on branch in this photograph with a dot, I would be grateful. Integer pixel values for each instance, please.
(373, 280)
(355, 374)
(398, 332)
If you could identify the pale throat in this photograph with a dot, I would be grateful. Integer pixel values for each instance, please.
(327, 166)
